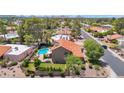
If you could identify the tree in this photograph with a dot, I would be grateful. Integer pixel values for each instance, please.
(25, 63)
(71, 59)
(73, 62)
(28, 39)
(93, 50)
(3, 28)
(37, 62)
(122, 31)
(118, 24)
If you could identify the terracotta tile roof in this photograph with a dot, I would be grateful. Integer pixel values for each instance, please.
(98, 28)
(3, 49)
(115, 36)
(71, 46)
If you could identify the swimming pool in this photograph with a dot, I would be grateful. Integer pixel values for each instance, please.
(43, 51)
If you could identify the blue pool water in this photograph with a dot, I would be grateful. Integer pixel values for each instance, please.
(43, 51)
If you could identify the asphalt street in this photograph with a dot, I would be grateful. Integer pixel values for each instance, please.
(114, 62)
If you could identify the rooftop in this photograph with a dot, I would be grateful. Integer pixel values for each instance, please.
(98, 28)
(17, 49)
(115, 36)
(57, 37)
(3, 49)
(71, 46)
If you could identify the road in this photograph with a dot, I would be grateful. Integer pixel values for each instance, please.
(114, 62)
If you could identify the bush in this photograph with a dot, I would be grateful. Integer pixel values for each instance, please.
(27, 74)
(31, 68)
(83, 67)
(77, 72)
(25, 63)
(115, 41)
(3, 64)
(45, 56)
(90, 66)
(62, 74)
(32, 75)
(37, 62)
(13, 64)
(50, 73)
(97, 67)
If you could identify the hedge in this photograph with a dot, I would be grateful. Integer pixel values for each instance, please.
(52, 67)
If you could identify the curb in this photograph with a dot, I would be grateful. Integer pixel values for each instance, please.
(116, 55)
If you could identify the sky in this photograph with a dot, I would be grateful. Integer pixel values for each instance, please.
(61, 7)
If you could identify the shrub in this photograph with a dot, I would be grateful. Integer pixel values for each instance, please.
(27, 74)
(97, 67)
(115, 41)
(13, 64)
(62, 74)
(32, 75)
(90, 66)
(25, 63)
(45, 56)
(3, 64)
(50, 73)
(31, 68)
(37, 62)
(42, 69)
(77, 72)
(83, 67)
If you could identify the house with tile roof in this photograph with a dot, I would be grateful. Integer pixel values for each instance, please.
(4, 50)
(99, 29)
(64, 47)
(114, 36)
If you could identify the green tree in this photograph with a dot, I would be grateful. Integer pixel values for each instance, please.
(37, 62)
(3, 28)
(25, 63)
(28, 39)
(73, 62)
(93, 50)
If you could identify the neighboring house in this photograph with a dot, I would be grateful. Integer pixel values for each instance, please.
(99, 29)
(114, 36)
(15, 52)
(10, 29)
(64, 47)
(107, 26)
(62, 33)
(121, 42)
(10, 35)
(4, 50)
(57, 37)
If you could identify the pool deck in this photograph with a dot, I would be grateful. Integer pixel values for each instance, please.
(41, 58)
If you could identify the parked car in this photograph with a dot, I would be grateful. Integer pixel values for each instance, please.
(104, 46)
